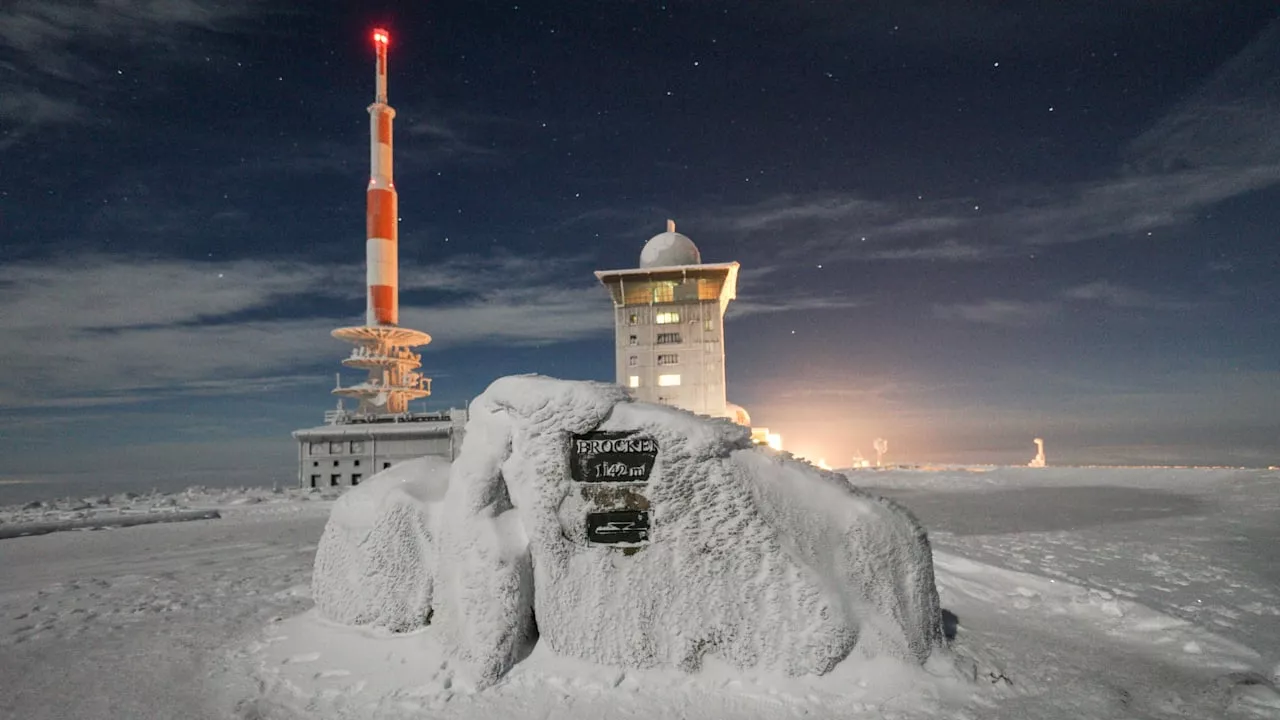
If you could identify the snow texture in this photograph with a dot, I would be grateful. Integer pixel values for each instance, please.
(756, 558)
(375, 562)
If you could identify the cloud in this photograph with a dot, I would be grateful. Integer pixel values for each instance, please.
(1119, 296)
(103, 329)
(1228, 121)
(1216, 145)
(761, 306)
(446, 141)
(1024, 313)
(948, 250)
(59, 49)
(1008, 313)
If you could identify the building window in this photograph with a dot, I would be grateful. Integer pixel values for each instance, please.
(334, 480)
(335, 448)
(355, 478)
(666, 318)
(317, 448)
(671, 359)
(357, 462)
(315, 480)
(668, 380)
(315, 463)
(633, 381)
(668, 338)
(357, 446)
(664, 292)
(633, 318)
(632, 361)
(709, 324)
(633, 340)
(335, 463)
(386, 465)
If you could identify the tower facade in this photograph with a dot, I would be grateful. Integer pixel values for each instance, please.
(382, 347)
(669, 324)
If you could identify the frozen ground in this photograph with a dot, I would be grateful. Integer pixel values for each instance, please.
(1078, 592)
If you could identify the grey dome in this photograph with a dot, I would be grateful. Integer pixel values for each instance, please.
(668, 249)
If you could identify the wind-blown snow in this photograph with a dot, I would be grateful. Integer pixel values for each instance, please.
(756, 558)
(375, 563)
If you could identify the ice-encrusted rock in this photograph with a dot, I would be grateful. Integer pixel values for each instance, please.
(375, 562)
(760, 559)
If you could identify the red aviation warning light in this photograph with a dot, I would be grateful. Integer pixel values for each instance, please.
(381, 37)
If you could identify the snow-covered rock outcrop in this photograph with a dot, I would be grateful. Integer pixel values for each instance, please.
(375, 564)
(751, 556)
(726, 548)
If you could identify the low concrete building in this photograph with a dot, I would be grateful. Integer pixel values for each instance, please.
(351, 447)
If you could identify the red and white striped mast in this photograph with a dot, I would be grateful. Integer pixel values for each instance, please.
(382, 346)
(382, 202)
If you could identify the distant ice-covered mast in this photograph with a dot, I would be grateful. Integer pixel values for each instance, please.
(381, 249)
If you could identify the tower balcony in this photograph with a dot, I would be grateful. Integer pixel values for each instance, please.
(382, 357)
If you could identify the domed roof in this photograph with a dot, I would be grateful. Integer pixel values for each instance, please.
(668, 249)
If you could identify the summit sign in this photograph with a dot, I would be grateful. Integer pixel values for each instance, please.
(601, 456)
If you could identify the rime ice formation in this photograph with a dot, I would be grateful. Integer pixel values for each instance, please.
(751, 556)
(754, 557)
(375, 562)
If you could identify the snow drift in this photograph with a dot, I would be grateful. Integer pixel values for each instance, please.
(375, 563)
(752, 556)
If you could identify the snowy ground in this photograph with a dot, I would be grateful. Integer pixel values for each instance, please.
(1102, 593)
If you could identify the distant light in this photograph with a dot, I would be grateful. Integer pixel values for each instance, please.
(381, 37)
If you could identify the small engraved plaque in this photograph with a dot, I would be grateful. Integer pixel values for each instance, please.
(618, 526)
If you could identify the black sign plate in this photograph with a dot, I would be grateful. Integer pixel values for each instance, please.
(601, 456)
(618, 526)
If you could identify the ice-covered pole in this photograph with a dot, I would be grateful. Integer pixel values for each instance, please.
(381, 249)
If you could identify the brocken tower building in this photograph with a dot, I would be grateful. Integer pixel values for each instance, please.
(669, 314)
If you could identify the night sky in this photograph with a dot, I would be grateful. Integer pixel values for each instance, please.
(961, 225)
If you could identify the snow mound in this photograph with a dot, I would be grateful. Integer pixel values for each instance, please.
(375, 562)
(751, 556)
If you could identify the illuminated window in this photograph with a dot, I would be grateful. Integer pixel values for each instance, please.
(632, 361)
(666, 318)
(709, 324)
(668, 338)
(633, 381)
(632, 319)
(664, 292)
(669, 359)
(668, 380)
(632, 340)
